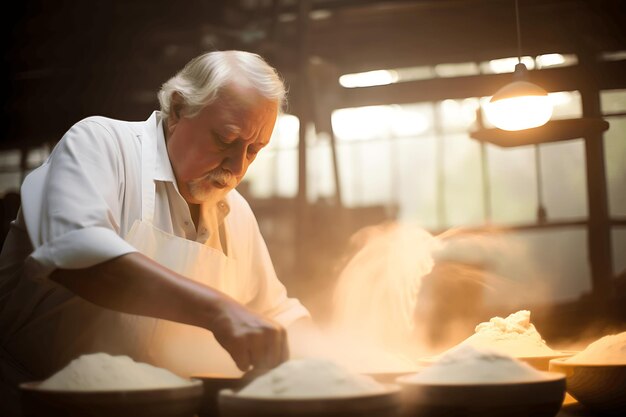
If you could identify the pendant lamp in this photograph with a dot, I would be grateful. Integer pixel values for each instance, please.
(520, 104)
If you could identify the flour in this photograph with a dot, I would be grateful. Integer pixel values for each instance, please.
(514, 335)
(471, 365)
(608, 350)
(310, 378)
(103, 372)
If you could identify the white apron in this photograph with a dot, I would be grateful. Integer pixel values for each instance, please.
(181, 348)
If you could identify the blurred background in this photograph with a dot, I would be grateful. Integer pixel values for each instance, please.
(383, 127)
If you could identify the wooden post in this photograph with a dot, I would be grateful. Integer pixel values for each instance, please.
(599, 230)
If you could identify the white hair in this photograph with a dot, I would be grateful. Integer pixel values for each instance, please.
(200, 81)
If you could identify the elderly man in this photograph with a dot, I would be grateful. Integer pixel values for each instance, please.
(132, 240)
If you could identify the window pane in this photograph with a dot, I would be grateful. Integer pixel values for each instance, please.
(321, 179)
(274, 174)
(567, 104)
(286, 133)
(365, 173)
(286, 169)
(457, 70)
(368, 79)
(556, 60)
(458, 115)
(415, 73)
(613, 101)
(260, 175)
(564, 179)
(382, 122)
(513, 190)
(414, 175)
(463, 191)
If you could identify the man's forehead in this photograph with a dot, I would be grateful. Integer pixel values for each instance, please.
(237, 111)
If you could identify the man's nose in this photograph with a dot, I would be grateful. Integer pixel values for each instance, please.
(236, 160)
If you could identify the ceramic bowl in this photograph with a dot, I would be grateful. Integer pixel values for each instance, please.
(161, 402)
(541, 398)
(386, 404)
(598, 387)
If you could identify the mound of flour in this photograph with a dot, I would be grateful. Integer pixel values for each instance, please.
(608, 350)
(310, 378)
(103, 372)
(472, 365)
(514, 335)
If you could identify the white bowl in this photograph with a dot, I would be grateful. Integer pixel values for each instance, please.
(541, 398)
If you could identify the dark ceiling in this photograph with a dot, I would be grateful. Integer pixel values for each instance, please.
(67, 59)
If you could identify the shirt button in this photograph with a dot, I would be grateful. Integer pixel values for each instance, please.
(186, 223)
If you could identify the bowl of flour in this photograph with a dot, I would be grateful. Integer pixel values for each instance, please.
(514, 335)
(473, 381)
(102, 385)
(596, 376)
(311, 387)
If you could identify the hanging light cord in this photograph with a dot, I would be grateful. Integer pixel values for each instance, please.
(519, 33)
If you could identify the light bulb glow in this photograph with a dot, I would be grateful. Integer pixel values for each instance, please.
(517, 113)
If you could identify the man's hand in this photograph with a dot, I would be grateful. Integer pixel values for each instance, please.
(251, 340)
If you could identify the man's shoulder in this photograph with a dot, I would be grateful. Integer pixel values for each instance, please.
(113, 127)
(106, 132)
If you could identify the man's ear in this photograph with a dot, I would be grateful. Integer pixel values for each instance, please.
(176, 109)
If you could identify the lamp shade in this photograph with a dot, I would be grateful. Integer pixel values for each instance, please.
(520, 104)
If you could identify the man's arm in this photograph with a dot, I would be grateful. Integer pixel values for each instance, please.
(135, 284)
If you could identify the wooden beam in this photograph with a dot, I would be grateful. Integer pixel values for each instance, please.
(610, 75)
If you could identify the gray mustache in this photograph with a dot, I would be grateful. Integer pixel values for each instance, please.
(223, 177)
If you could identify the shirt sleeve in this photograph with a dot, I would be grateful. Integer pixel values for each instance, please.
(77, 225)
(269, 296)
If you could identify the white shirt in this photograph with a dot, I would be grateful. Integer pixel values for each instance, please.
(92, 197)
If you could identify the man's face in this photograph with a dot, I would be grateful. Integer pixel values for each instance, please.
(211, 152)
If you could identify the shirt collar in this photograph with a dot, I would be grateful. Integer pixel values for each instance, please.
(164, 171)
